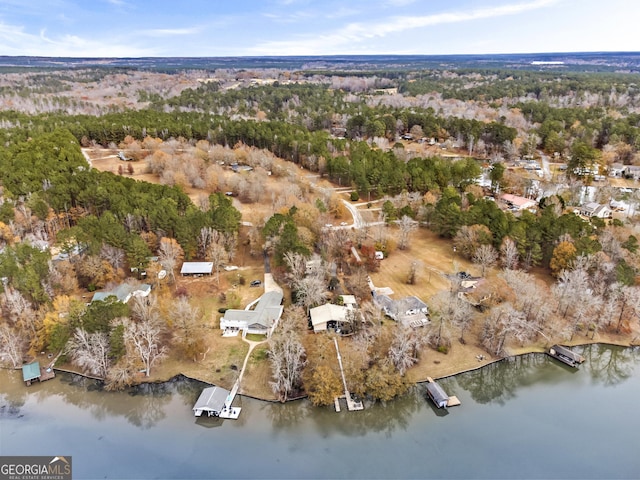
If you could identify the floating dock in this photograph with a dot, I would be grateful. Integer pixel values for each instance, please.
(566, 355)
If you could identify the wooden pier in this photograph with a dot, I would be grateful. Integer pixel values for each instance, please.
(352, 405)
(566, 355)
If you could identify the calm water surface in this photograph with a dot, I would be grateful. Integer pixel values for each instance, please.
(528, 417)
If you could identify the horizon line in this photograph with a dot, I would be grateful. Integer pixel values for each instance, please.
(334, 55)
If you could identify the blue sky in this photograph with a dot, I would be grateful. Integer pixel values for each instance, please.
(195, 28)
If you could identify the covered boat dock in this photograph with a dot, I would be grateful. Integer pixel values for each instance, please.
(438, 396)
(216, 402)
(33, 371)
(566, 355)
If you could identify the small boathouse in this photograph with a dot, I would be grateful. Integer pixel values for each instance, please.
(566, 355)
(438, 396)
(216, 402)
(33, 371)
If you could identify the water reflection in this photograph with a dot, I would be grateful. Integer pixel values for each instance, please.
(610, 365)
(150, 431)
(498, 382)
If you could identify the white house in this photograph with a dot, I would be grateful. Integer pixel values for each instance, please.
(593, 209)
(259, 317)
(329, 315)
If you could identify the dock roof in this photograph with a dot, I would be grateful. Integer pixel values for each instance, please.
(567, 352)
(211, 400)
(437, 393)
(31, 371)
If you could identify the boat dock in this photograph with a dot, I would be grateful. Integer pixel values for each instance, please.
(566, 355)
(34, 371)
(352, 405)
(439, 397)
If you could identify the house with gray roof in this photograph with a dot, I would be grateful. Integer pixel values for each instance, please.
(409, 310)
(123, 292)
(259, 317)
(593, 209)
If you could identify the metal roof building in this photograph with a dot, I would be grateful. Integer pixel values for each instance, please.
(437, 394)
(196, 268)
(211, 401)
(328, 312)
(31, 371)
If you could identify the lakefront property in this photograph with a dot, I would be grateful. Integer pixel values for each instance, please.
(321, 233)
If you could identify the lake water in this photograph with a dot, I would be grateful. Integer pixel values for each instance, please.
(528, 417)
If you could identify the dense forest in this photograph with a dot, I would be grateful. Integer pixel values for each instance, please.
(435, 148)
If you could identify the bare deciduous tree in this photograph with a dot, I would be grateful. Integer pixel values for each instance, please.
(310, 291)
(407, 226)
(510, 255)
(143, 338)
(485, 256)
(405, 348)
(287, 355)
(297, 264)
(187, 327)
(171, 255)
(12, 345)
(217, 255)
(90, 351)
(115, 256)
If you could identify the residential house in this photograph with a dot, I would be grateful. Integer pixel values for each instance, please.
(616, 170)
(517, 203)
(632, 171)
(123, 292)
(409, 310)
(259, 317)
(593, 209)
(330, 316)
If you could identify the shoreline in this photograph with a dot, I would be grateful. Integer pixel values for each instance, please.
(522, 352)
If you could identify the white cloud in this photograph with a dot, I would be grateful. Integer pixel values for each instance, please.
(347, 38)
(15, 41)
(169, 32)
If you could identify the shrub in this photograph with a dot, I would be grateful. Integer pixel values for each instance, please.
(354, 196)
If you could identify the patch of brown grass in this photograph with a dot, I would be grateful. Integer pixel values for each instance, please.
(437, 258)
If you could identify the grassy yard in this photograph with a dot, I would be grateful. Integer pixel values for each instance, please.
(437, 259)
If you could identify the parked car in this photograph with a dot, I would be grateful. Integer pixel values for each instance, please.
(255, 283)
